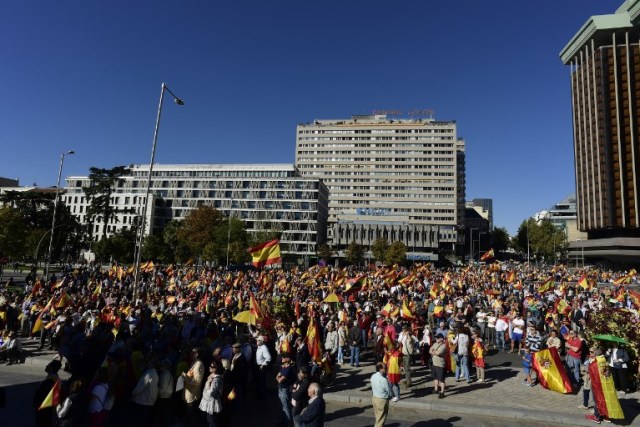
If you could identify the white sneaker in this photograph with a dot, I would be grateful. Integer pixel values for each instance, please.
(395, 399)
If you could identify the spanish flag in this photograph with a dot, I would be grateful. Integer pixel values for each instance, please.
(551, 372)
(510, 276)
(388, 342)
(38, 323)
(355, 283)
(405, 312)
(487, 255)
(604, 392)
(583, 283)
(313, 341)
(254, 308)
(546, 286)
(266, 254)
(386, 310)
(53, 398)
(563, 307)
(394, 360)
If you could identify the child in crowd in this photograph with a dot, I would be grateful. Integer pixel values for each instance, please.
(527, 364)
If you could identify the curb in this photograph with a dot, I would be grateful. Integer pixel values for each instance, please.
(468, 409)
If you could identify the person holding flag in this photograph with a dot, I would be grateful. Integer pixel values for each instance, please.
(43, 404)
(393, 359)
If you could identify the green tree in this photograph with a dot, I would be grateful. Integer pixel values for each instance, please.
(115, 248)
(102, 183)
(36, 206)
(198, 229)
(156, 248)
(355, 253)
(500, 239)
(13, 233)
(542, 238)
(379, 249)
(396, 254)
(325, 252)
(177, 249)
(233, 231)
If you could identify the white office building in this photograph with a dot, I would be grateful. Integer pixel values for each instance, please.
(265, 196)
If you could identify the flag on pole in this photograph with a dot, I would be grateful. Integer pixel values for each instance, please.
(266, 254)
(386, 310)
(355, 283)
(53, 398)
(254, 307)
(487, 255)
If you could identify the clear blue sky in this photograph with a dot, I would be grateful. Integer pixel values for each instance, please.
(86, 75)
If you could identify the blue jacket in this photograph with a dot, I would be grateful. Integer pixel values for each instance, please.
(312, 415)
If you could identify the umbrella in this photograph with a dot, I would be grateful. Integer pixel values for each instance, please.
(332, 297)
(245, 317)
(609, 337)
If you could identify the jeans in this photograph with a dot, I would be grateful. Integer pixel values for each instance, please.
(491, 335)
(341, 354)
(462, 363)
(284, 394)
(500, 343)
(574, 365)
(396, 390)
(585, 397)
(355, 355)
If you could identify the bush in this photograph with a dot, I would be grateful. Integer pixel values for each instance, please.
(621, 323)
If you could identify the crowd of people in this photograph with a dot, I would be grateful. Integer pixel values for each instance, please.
(190, 345)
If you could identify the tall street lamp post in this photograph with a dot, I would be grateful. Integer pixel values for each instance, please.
(55, 210)
(146, 193)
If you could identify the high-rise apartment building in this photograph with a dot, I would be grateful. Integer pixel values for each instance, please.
(398, 179)
(604, 60)
(266, 197)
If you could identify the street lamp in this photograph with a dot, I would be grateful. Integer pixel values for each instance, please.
(229, 231)
(471, 244)
(55, 209)
(146, 194)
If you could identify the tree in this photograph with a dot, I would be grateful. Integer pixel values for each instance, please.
(325, 252)
(35, 206)
(232, 232)
(198, 229)
(542, 239)
(500, 239)
(13, 233)
(178, 251)
(379, 249)
(396, 254)
(156, 248)
(102, 183)
(355, 253)
(116, 248)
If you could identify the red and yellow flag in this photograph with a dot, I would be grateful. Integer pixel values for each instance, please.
(603, 388)
(487, 255)
(405, 312)
(313, 341)
(386, 310)
(38, 323)
(53, 398)
(583, 283)
(551, 372)
(254, 307)
(563, 307)
(266, 254)
(546, 286)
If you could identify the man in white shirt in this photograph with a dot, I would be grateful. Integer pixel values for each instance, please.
(501, 327)
(518, 332)
(263, 358)
(145, 393)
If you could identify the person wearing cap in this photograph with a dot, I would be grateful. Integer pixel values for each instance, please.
(239, 370)
(437, 352)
